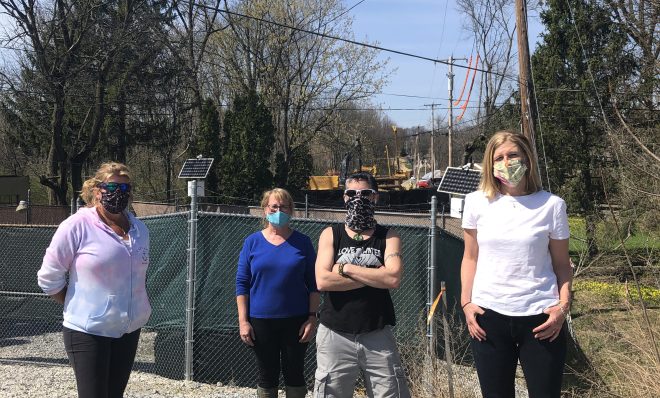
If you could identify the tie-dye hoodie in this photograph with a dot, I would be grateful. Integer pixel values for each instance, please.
(106, 293)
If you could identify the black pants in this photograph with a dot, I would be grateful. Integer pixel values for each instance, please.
(277, 341)
(509, 339)
(102, 365)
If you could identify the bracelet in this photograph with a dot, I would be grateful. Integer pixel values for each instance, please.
(563, 311)
(314, 314)
(463, 306)
(340, 270)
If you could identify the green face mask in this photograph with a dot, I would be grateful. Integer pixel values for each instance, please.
(510, 175)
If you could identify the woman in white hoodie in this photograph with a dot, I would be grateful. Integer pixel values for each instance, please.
(96, 266)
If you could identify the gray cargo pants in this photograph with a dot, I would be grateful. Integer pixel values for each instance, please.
(341, 356)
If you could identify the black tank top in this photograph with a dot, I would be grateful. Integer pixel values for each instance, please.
(359, 310)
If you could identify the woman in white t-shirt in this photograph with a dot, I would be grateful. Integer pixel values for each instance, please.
(516, 274)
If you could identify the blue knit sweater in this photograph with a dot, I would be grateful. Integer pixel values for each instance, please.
(278, 279)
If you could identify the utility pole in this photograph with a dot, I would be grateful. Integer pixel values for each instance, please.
(396, 151)
(450, 126)
(525, 83)
(432, 136)
(432, 141)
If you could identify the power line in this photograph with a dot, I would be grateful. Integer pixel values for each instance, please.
(357, 43)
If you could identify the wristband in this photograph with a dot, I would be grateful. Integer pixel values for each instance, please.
(463, 306)
(563, 311)
(314, 314)
(340, 270)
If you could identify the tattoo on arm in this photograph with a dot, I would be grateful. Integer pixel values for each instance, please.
(395, 254)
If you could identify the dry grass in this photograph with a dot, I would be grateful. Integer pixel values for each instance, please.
(617, 354)
(614, 355)
(429, 376)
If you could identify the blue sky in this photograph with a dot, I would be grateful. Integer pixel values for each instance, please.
(430, 28)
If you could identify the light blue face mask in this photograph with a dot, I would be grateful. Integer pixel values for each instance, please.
(278, 219)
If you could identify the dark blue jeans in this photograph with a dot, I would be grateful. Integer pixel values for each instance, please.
(102, 365)
(509, 339)
(277, 342)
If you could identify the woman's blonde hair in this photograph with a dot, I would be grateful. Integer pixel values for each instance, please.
(280, 194)
(491, 185)
(105, 171)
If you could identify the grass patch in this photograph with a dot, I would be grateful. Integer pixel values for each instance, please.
(615, 293)
(606, 237)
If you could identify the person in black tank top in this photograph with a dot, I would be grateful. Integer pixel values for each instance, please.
(357, 263)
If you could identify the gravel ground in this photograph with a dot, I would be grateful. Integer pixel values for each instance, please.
(36, 366)
(27, 381)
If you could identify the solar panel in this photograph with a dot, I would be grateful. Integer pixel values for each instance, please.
(460, 181)
(196, 168)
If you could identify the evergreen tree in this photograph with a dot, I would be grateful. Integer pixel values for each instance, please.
(208, 142)
(294, 175)
(582, 55)
(249, 135)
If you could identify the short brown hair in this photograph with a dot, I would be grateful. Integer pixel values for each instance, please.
(491, 185)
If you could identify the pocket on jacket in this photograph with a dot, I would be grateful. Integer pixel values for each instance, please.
(110, 321)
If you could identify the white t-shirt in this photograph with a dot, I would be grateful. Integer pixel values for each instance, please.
(514, 273)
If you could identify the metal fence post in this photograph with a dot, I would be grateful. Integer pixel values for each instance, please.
(430, 328)
(190, 306)
(447, 336)
(306, 206)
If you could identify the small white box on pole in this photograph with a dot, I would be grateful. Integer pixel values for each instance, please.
(456, 207)
(200, 187)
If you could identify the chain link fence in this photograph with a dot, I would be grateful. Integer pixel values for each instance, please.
(30, 322)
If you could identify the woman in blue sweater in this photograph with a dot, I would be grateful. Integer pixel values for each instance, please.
(277, 297)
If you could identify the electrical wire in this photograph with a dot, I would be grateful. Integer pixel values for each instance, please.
(341, 39)
(467, 77)
(464, 107)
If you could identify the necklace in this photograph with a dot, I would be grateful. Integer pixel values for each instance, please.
(118, 229)
(358, 237)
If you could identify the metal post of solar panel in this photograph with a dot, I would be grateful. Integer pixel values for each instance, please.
(430, 326)
(194, 169)
(190, 303)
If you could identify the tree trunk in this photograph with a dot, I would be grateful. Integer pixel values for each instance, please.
(57, 162)
(79, 158)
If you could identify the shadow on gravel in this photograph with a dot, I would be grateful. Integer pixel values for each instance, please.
(10, 328)
(37, 360)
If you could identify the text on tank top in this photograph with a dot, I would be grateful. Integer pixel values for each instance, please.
(359, 310)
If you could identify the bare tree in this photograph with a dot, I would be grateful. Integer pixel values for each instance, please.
(284, 50)
(193, 23)
(52, 36)
(640, 19)
(492, 24)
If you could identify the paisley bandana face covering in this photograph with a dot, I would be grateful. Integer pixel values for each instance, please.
(115, 202)
(360, 214)
(510, 175)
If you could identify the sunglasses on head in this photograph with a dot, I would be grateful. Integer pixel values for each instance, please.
(113, 186)
(363, 193)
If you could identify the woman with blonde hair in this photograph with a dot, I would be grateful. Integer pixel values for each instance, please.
(96, 266)
(515, 274)
(277, 297)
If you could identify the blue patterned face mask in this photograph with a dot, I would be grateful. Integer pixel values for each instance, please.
(278, 219)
